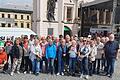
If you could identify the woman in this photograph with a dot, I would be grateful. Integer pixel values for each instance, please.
(51, 55)
(72, 57)
(17, 51)
(26, 48)
(35, 56)
(93, 53)
(83, 55)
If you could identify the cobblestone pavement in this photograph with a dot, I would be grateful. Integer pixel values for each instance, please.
(49, 77)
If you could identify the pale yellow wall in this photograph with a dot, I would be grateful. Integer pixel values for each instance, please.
(18, 20)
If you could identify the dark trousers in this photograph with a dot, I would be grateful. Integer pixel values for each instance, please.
(51, 65)
(46, 64)
(28, 63)
(111, 65)
(11, 59)
(5, 67)
(60, 65)
(91, 67)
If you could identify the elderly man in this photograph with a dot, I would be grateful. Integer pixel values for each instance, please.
(111, 50)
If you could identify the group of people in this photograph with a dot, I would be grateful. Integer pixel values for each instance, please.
(70, 55)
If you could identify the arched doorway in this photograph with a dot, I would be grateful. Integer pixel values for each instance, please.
(67, 31)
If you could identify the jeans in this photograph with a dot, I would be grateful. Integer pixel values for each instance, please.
(111, 65)
(60, 65)
(91, 67)
(84, 66)
(72, 65)
(51, 65)
(36, 66)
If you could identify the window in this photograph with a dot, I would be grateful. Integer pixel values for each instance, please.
(27, 17)
(3, 24)
(69, 13)
(9, 25)
(8, 15)
(21, 16)
(15, 16)
(3, 16)
(16, 24)
(50, 31)
(28, 25)
(101, 17)
(22, 25)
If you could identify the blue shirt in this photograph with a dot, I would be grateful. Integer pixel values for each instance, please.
(111, 48)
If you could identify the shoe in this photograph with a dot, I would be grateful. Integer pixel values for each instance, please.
(4, 72)
(62, 74)
(18, 72)
(30, 72)
(37, 73)
(25, 72)
(11, 73)
(81, 76)
(110, 76)
(58, 74)
(87, 77)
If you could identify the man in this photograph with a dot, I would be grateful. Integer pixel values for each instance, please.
(111, 50)
(61, 53)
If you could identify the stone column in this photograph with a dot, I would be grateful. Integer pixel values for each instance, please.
(98, 15)
(105, 17)
(60, 17)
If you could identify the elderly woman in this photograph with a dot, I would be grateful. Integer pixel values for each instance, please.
(93, 53)
(36, 56)
(17, 52)
(72, 57)
(51, 55)
(83, 55)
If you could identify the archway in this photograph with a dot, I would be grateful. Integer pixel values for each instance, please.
(67, 31)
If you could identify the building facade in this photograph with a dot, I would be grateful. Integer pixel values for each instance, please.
(66, 18)
(10, 17)
(99, 16)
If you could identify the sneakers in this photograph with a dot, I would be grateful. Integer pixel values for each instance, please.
(58, 74)
(11, 73)
(81, 76)
(25, 72)
(109, 75)
(37, 73)
(18, 72)
(30, 72)
(62, 74)
(87, 77)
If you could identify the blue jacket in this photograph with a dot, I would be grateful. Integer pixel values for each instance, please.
(61, 51)
(51, 51)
